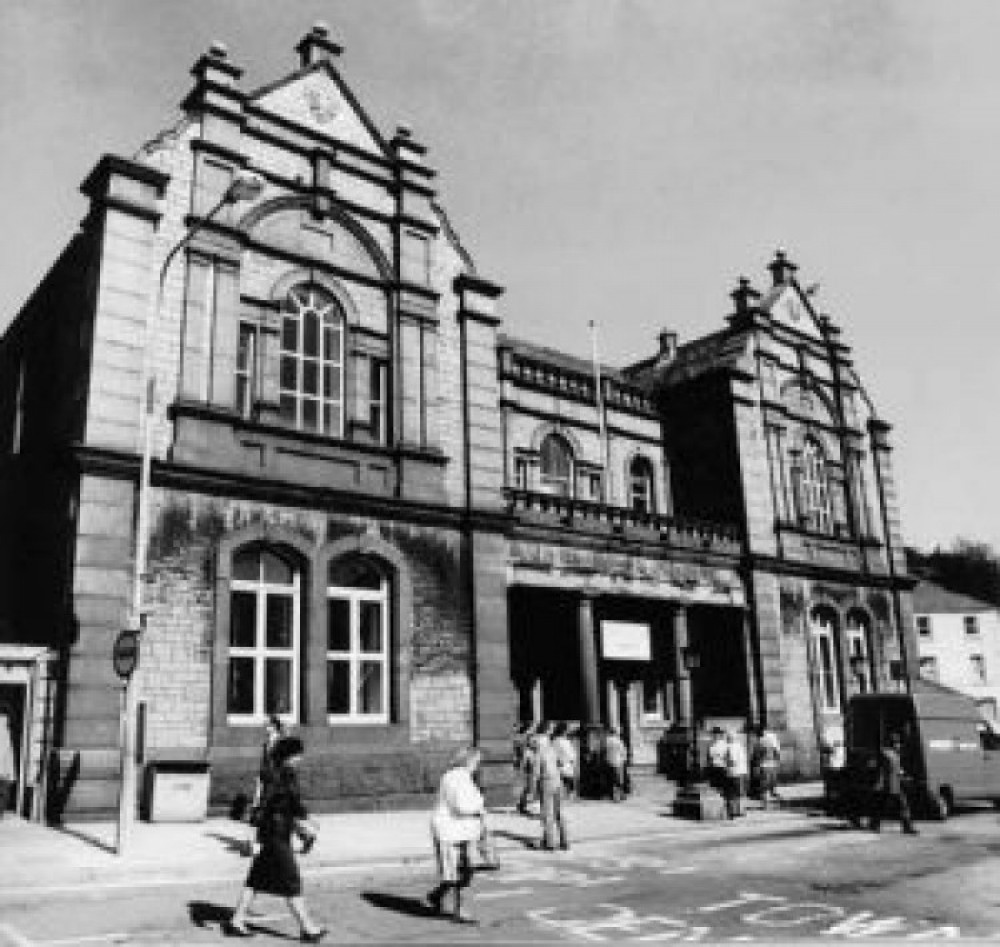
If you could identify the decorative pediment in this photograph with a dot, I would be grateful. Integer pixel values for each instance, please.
(790, 307)
(320, 101)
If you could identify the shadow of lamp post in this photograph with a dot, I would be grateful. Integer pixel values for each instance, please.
(245, 186)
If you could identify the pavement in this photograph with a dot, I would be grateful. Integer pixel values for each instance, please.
(37, 858)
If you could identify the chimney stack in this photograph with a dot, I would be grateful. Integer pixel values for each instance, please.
(316, 46)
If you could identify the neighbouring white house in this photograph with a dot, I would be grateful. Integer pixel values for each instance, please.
(958, 640)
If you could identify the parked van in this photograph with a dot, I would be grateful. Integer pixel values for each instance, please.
(949, 752)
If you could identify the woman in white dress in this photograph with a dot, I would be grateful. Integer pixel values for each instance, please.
(458, 821)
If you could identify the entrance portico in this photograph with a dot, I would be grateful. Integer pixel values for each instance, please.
(645, 645)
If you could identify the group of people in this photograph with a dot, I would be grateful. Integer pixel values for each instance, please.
(730, 771)
(547, 759)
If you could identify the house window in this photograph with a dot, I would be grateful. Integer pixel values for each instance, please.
(556, 465)
(814, 489)
(246, 360)
(640, 485)
(929, 669)
(977, 666)
(827, 667)
(357, 642)
(378, 402)
(924, 626)
(263, 637)
(520, 473)
(859, 654)
(312, 361)
(971, 625)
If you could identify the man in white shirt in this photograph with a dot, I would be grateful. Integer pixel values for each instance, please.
(737, 771)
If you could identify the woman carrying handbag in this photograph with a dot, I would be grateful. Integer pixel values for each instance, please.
(458, 821)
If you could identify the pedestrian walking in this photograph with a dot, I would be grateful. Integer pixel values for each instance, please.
(267, 771)
(458, 821)
(8, 775)
(737, 771)
(767, 759)
(567, 757)
(889, 796)
(274, 869)
(715, 760)
(529, 772)
(550, 794)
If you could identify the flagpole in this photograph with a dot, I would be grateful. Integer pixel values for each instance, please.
(601, 421)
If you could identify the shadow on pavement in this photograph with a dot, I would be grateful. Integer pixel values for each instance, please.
(203, 913)
(234, 845)
(92, 840)
(528, 841)
(414, 907)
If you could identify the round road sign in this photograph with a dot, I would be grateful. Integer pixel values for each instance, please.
(125, 655)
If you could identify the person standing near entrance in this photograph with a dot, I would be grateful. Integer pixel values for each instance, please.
(736, 774)
(529, 771)
(767, 758)
(8, 775)
(616, 757)
(889, 795)
(715, 762)
(550, 794)
(566, 754)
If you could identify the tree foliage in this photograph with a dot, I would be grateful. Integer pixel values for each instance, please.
(969, 567)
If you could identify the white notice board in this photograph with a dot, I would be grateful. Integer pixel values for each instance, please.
(625, 640)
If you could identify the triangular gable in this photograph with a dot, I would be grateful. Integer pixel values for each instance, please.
(318, 99)
(788, 306)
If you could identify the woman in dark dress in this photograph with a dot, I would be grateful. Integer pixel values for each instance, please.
(274, 869)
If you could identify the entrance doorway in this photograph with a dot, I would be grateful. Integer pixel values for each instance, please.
(13, 700)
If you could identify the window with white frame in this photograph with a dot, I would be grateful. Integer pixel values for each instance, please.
(859, 652)
(971, 625)
(824, 639)
(520, 472)
(924, 626)
(311, 386)
(929, 668)
(357, 642)
(640, 485)
(814, 488)
(555, 467)
(977, 668)
(378, 402)
(264, 621)
(246, 360)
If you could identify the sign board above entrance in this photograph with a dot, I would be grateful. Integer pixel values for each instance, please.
(625, 641)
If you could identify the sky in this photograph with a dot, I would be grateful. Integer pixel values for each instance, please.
(623, 161)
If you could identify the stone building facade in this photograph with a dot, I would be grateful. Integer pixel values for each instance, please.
(371, 512)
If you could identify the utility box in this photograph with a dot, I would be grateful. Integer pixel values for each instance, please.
(177, 791)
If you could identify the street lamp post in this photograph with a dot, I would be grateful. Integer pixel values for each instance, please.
(245, 186)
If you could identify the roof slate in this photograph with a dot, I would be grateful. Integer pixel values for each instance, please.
(929, 598)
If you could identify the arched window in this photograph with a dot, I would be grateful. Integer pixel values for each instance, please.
(822, 628)
(555, 467)
(814, 488)
(859, 652)
(640, 485)
(312, 361)
(263, 637)
(357, 641)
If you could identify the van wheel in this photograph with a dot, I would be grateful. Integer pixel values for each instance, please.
(940, 805)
